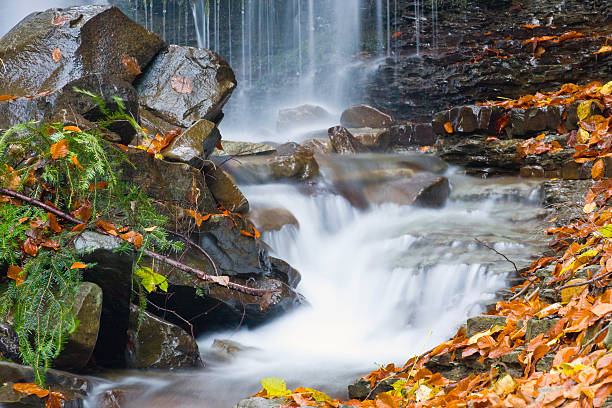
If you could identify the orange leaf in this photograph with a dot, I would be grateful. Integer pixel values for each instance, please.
(78, 265)
(122, 147)
(502, 122)
(56, 54)
(7, 98)
(492, 139)
(424, 148)
(59, 21)
(531, 26)
(75, 161)
(14, 272)
(71, 129)
(448, 127)
(55, 400)
(597, 171)
(53, 224)
(31, 389)
(107, 226)
(59, 149)
(396, 35)
(131, 65)
(220, 146)
(199, 218)
(132, 237)
(79, 228)
(83, 212)
(605, 48)
(181, 84)
(247, 234)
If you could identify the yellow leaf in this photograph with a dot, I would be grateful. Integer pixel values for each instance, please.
(583, 136)
(474, 339)
(588, 208)
(568, 293)
(570, 368)
(275, 387)
(606, 89)
(584, 110)
(505, 385)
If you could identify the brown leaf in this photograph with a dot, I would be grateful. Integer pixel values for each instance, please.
(59, 149)
(597, 171)
(56, 54)
(83, 211)
(53, 224)
(181, 84)
(132, 237)
(51, 244)
(502, 122)
(131, 65)
(31, 389)
(220, 146)
(55, 400)
(107, 227)
(30, 247)
(14, 272)
(79, 228)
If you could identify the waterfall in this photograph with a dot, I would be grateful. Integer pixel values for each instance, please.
(379, 26)
(417, 25)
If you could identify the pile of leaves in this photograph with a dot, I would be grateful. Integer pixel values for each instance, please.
(581, 371)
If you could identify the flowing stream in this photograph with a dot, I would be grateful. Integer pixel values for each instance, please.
(383, 284)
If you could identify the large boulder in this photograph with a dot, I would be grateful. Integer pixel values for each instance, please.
(301, 116)
(80, 344)
(361, 116)
(159, 344)
(49, 49)
(343, 141)
(226, 192)
(184, 84)
(272, 219)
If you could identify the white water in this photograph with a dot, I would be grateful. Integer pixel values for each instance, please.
(383, 285)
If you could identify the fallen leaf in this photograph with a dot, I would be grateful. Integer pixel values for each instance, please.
(75, 161)
(589, 208)
(221, 280)
(531, 26)
(14, 272)
(71, 129)
(30, 247)
(605, 48)
(181, 84)
(597, 171)
(78, 265)
(107, 227)
(56, 54)
(199, 218)
(55, 400)
(31, 389)
(448, 127)
(132, 237)
(505, 385)
(568, 293)
(59, 149)
(53, 224)
(131, 65)
(59, 21)
(4, 98)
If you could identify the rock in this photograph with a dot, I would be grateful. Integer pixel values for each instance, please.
(343, 141)
(183, 85)
(225, 191)
(80, 344)
(116, 398)
(228, 349)
(194, 145)
(9, 343)
(282, 271)
(361, 389)
(483, 322)
(373, 139)
(231, 148)
(74, 387)
(360, 116)
(412, 134)
(91, 39)
(177, 184)
(272, 219)
(259, 402)
(113, 274)
(539, 326)
(159, 344)
(68, 106)
(301, 116)
(301, 165)
(423, 189)
(321, 146)
(565, 199)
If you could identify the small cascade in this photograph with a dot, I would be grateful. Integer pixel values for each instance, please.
(379, 27)
(417, 25)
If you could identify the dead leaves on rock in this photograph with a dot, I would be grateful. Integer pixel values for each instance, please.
(54, 399)
(181, 84)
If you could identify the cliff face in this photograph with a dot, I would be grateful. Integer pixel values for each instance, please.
(482, 51)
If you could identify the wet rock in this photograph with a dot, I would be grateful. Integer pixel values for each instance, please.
(227, 349)
(412, 134)
(321, 146)
(183, 85)
(373, 139)
(69, 106)
(483, 322)
(565, 199)
(343, 141)
(9, 343)
(467, 119)
(91, 39)
(116, 398)
(225, 191)
(231, 148)
(72, 386)
(175, 183)
(360, 116)
(301, 165)
(159, 344)
(113, 274)
(272, 219)
(423, 189)
(284, 272)
(80, 344)
(194, 145)
(259, 402)
(301, 116)
(539, 326)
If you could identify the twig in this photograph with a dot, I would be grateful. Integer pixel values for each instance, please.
(193, 271)
(595, 279)
(599, 333)
(530, 282)
(196, 246)
(498, 253)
